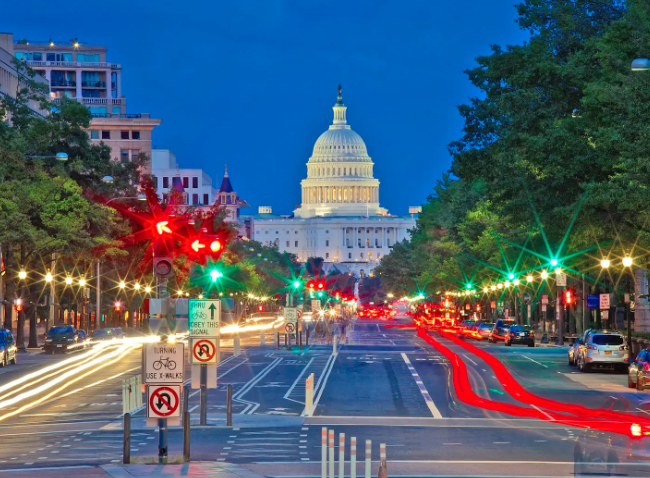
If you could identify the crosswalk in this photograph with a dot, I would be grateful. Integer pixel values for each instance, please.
(289, 444)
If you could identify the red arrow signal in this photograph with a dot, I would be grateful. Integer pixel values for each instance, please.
(161, 227)
(196, 245)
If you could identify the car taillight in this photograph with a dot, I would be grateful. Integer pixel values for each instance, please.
(635, 430)
(646, 367)
(592, 347)
(512, 334)
(623, 347)
(531, 334)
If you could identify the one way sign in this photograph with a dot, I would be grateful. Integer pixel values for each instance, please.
(163, 401)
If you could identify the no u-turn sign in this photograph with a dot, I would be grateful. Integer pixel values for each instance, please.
(163, 401)
(203, 350)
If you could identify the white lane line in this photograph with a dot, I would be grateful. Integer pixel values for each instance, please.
(526, 356)
(286, 395)
(501, 442)
(427, 398)
(324, 376)
(193, 408)
(467, 357)
(547, 415)
(252, 406)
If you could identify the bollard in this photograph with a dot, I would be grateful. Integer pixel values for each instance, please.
(236, 345)
(368, 458)
(341, 455)
(383, 472)
(307, 336)
(229, 406)
(186, 437)
(277, 341)
(126, 446)
(353, 457)
(323, 453)
(125, 397)
(331, 457)
(262, 338)
(334, 343)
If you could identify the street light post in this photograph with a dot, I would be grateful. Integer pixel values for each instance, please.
(627, 263)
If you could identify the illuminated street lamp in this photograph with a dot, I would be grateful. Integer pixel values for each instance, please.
(82, 282)
(604, 263)
(558, 271)
(147, 289)
(499, 285)
(485, 289)
(627, 261)
(22, 275)
(48, 277)
(511, 276)
(553, 262)
(515, 282)
(68, 280)
(544, 275)
(529, 278)
(136, 286)
(493, 287)
(122, 284)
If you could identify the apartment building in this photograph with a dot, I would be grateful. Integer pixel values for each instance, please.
(9, 77)
(196, 183)
(83, 73)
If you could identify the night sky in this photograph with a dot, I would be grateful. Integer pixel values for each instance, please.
(252, 83)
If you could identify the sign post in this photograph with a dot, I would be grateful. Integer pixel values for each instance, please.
(290, 323)
(309, 393)
(204, 321)
(162, 372)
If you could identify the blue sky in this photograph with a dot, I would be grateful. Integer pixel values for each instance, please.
(252, 83)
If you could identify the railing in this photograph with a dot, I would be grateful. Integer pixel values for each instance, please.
(64, 83)
(74, 64)
(122, 116)
(95, 101)
(93, 84)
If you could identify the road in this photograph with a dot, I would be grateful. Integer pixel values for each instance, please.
(386, 384)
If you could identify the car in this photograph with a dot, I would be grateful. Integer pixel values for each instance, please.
(484, 329)
(8, 348)
(520, 334)
(603, 453)
(61, 338)
(574, 351)
(109, 333)
(638, 373)
(499, 331)
(602, 348)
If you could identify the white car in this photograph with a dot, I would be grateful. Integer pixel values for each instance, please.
(605, 349)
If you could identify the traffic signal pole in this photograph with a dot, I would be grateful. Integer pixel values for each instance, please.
(560, 311)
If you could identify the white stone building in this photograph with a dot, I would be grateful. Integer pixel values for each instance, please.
(340, 218)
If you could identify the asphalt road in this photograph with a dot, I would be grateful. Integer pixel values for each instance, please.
(387, 385)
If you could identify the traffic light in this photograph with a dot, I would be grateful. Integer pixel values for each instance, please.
(118, 306)
(162, 266)
(260, 308)
(568, 297)
(215, 275)
(201, 248)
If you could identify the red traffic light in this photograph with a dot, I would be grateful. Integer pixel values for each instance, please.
(197, 245)
(117, 306)
(260, 308)
(568, 297)
(321, 285)
(162, 227)
(215, 246)
(310, 285)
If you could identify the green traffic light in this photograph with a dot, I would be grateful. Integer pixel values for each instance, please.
(553, 262)
(320, 294)
(511, 276)
(215, 274)
(296, 284)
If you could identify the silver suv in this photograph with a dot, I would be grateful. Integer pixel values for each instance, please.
(602, 348)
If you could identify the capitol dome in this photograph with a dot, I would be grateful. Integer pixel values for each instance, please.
(340, 178)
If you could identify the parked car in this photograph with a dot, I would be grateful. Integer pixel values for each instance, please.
(8, 348)
(638, 373)
(605, 349)
(61, 338)
(574, 351)
(109, 333)
(499, 331)
(520, 334)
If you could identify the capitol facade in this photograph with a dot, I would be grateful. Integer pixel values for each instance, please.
(339, 218)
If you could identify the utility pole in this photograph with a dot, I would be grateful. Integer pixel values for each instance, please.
(98, 289)
(52, 292)
(559, 307)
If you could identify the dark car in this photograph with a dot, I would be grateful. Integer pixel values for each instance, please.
(109, 333)
(520, 334)
(499, 332)
(8, 348)
(61, 338)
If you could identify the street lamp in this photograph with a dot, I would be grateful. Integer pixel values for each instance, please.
(627, 262)
(493, 287)
(136, 286)
(604, 263)
(68, 280)
(515, 282)
(544, 275)
(22, 275)
(640, 64)
(147, 289)
(122, 284)
(48, 277)
(82, 282)
(553, 262)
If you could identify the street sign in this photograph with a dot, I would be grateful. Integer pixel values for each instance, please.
(561, 280)
(290, 314)
(163, 363)
(604, 301)
(544, 299)
(315, 305)
(290, 327)
(163, 401)
(203, 350)
(593, 301)
(204, 317)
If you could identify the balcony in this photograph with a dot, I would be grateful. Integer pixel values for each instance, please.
(96, 101)
(122, 116)
(93, 84)
(74, 64)
(64, 83)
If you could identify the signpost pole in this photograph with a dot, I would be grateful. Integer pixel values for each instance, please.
(204, 394)
(162, 441)
(229, 406)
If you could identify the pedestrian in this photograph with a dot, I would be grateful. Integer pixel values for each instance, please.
(344, 337)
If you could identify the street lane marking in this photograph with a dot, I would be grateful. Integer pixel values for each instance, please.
(549, 416)
(252, 406)
(526, 356)
(468, 358)
(323, 378)
(423, 390)
(286, 395)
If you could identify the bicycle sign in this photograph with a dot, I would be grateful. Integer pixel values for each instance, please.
(204, 317)
(163, 363)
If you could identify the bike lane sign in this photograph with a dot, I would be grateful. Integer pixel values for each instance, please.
(163, 363)
(204, 317)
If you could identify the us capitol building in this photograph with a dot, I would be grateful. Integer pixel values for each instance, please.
(339, 218)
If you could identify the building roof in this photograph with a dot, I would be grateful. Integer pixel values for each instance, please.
(226, 185)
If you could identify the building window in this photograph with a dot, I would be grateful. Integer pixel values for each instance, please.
(135, 134)
(165, 182)
(327, 243)
(186, 182)
(327, 255)
(296, 243)
(125, 135)
(349, 255)
(116, 110)
(195, 183)
(94, 134)
(287, 243)
(124, 155)
(106, 135)
(134, 155)
(206, 200)
(195, 198)
(361, 255)
(296, 232)
(154, 182)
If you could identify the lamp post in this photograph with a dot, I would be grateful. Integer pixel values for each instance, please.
(627, 263)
